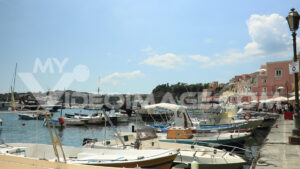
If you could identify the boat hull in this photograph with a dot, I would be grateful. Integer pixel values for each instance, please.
(27, 117)
(218, 142)
(159, 163)
(74, 122)
(13, 162)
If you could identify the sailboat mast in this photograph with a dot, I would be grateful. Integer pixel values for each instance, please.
(15, 74)
(12, 102)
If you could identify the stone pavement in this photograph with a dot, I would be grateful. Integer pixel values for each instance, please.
(276, 152)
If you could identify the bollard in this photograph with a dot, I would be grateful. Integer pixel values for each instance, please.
(194, 164)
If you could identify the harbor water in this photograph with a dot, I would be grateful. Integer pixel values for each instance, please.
(14, 130)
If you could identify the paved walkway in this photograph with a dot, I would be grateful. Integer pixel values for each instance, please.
(277, 153)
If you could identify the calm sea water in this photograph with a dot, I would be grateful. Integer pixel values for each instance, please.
(33, 131)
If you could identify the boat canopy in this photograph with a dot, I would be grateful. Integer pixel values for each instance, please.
(181, 117)
(166, 106)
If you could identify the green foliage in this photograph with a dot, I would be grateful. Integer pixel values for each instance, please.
(177, 89)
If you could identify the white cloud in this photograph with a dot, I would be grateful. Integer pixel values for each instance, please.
(166, 61)
(201, 59)
(148, 50)
(270, 37)
(116, 78)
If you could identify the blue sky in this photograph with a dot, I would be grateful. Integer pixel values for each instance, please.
(134, 45)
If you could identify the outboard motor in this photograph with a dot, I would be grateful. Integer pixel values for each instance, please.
(89, 140)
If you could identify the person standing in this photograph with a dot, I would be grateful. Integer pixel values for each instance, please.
(286, 107)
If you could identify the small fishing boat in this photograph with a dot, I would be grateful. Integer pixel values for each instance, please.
(38, 115)
(95, 118)
(186, 136)
(158, 159)
(56, 122)
(207, 157)
(121, 117)
(68, 115)
(28, 116)
(74, 122)
(12, 157)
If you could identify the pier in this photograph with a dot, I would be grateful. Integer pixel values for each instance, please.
(276, 152)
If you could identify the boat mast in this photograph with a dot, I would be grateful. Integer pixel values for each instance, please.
(12, 103)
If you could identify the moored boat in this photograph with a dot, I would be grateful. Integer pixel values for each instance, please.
(28, 116)
(74, 122)
(121, 118)
(158, 159)
(186, 136)
(207, 157)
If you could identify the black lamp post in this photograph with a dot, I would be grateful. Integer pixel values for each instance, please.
(287, 90)
(293, 21)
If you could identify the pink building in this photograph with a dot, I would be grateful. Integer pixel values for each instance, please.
(274, 77)
(241, 77)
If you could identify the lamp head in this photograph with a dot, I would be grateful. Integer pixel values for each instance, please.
(293, 20)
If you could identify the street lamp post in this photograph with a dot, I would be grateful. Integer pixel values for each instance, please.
(293, 21)
(287, 90)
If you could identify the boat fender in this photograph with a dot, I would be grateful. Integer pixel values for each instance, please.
(247, 116)
(61, 120)
(194, 164)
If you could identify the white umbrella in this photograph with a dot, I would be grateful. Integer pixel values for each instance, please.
(261, 70)
(254, 101)
(265, 101)
(278, 99)
(292, 98)
(280, 87)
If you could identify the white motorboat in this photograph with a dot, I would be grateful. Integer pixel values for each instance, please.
(13, 159)
(121, 117)
(74, 122)
(159, 159)
(207, 157)
(95, 118)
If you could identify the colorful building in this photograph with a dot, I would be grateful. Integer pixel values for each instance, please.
(274, 78)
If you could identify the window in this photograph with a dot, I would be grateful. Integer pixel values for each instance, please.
(278, 73)
(264, 89)
(264, 80)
